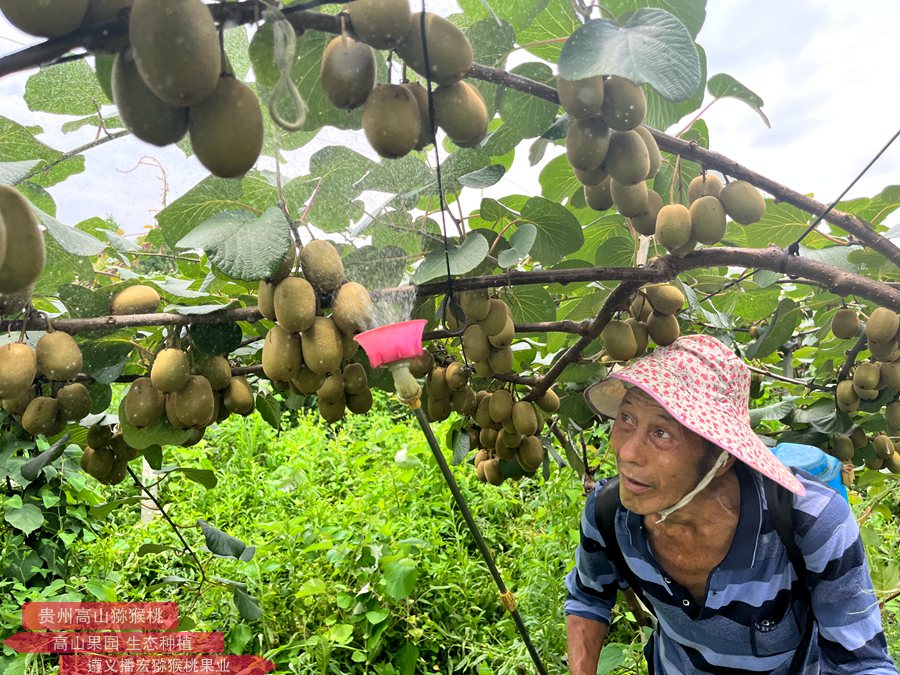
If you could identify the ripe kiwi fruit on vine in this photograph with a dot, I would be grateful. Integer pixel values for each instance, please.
(742, 202)
(322, 266)
(663, 328)
(664, 298)
(624, 104)
(845, 323)
(707, 220)
(383, 24)
(673, 226)
(294, 304)
(321, 346)
(21, 242)
(58, 356)
(587, 143)
(170, 370)
(18, 368)
(629, 200)
(45, 18)
(882, 325)
(618, 340)
(704, 185)
(627, 160)
(74, 401)
(645, 223)
(281, 354)
(347, 72)
(460, 110)
(137, 299)
(426, 129)
(144, 404)
(581, 98)
(599, 197)
(450, 54)
(352, 309)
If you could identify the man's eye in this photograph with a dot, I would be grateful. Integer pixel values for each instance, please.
(662, 434)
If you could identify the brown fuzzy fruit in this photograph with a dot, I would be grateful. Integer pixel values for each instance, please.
(281, 354)
(450, 54)
(627, 160)
(194, 403)
(618, 340)
(624, 104)
(704, 185)
(22, 241)
(426, 129)
(170, 370)
(391, 120)
(384, 24)
(845, 323)
(45, 18)
(144, 404)
(673, 226)
(581, 98)
(39, 417)
(18, 368)
(322, 266)
(294, 304)
(663, 328)
(347, 72)
(322, 348)
(707, 220)
(137, 299)
(882, 325)
(587, 143)
(742, 202)
(599, 197)
(59, 356)
(645, 223)
(629, 200)
(460, 110)
(353, 311)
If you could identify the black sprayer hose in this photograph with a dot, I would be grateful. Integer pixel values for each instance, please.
(506, 595)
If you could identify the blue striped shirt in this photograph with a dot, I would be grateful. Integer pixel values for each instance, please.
(754, 613)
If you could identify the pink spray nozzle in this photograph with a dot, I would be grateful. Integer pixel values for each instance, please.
(393, 342)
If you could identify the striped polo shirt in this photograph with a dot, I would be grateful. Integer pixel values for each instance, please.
(754, 613)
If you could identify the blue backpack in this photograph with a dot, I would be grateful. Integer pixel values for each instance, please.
(814, 461)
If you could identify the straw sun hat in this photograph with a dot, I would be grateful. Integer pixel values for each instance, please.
(705, 387)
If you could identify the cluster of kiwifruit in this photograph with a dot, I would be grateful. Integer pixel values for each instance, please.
(171, 82)
(488, 336)
(653, 317)
(396, 117)
(307, 349)
(36, 385)
(882, 330)
(876, 453)
(106, 455)
(613, 156)
(21, 250)
(504, 429)
(447, 388)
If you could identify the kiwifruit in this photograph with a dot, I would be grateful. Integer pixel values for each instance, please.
(422, 364)
(629, 200)
(673, 226)
(322, 266)
(14, 303)
(40, 415)
(663, 328)
(627, 161)
(426, 129)
(599, 197)
(890, 376)
(226, 129)
(867, 375)
(176, 47)
(74, 401)
(121, 449)
(99, 435)
(704, 185)
(479, 467)
(306, 381)
(593, 176)
(352, 309)
(384, 24)
(500, 405)
(194, 403)
(332, 389)
(483, 368)
(391, 120)
(505, 337)
(436, 383)
(17, 404)
(581, 98)
(892, 463)
(624, 104)
(495, 321)
(322, 349)
(530, 454)
(332, 411)
(587, 144)
(58, 356)
(170, 370)
(645, 223)
(117, 472)
(618, 340)
(360, 403)
(548, 401)
(664, 298)
(846, 397)
(143, 113)
(460, 110)
(884, 351)
(845, 323)
(882, 325)
(652, 150)
(18, 368)
(450, 54)
(99, 462)
(865, 394)
(349, 347)
(483, 415)
(355, 378)
(859, 438)
(23, 260)
(883, 445)
(742, 202)
(682, 251)
(892, 414)
(137, 299)
(216, 369)
(47, 18)
(641, 335)
(504, 449)
(842, 448)
(462, 401)
(480, 456)
(488, 437)
(294, 303)
(455, 376)
(707, 220)
(501, 360)
(874, 463)
(439, 408)
(640, 307)
(144, 404)
(476, 303)
(524, 418)
(493, 472)
(281, 354)
(347, 72)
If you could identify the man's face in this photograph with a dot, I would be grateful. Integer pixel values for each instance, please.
(659, 460)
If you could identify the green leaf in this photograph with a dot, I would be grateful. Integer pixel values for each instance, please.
(204, 477)
(269, 409)
(521, 243)
(72, 241)
(19, 144)
(311, 587)
(781, 225)
(221, 544)
(217, 338)
(519, 13)
(335, 170)
(725, 86)
(530, 304)
(558, 180)
(32, 468)
(875, 209)
(247, 605)
(653, 47)
(341, 634)
(528, 115)
(105, 360)
(558, 230)
(491, 41)
(663, 113)
(149, 549)
(400, 576)
(483, 178)
(615, 252)
(772, 412)
(237, 45)
(406, 658)
(161, 433)
(823, 418)
(463, 259)
(26, 518)
(103, 510)
(556, 20)
(781, 326)
(376, 616)
(203, 201)
(69, 88)
(82, 302)
(376, 267)
(461, 446)
(692, 13)
(13, 172)
(241, 246)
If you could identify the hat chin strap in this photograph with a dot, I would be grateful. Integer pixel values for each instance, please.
(706, 480)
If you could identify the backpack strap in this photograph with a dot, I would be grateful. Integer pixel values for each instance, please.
(605, 509)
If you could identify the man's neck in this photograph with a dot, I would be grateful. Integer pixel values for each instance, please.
(718, 503)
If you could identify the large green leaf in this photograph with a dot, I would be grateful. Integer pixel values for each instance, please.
(376, 267)
(104, 360)
(692, 13)
(528, 115)
(653, 47)
(556, 20)
(875, 209)
(221, 544)
(241, 246)
(662, 113)
(400, 575)
(72, 241)
(781, 224)
(463, 258)
(209, 197)
(69, 88)
(530, 304)
(615, 252)
(558, 231)
(26, 518)
(725, 86)
(13, 172)
(492, 41)
(19, 144)
(335, 172)
(781, 326)
(519, 13)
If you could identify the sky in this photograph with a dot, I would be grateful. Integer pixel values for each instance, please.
(825, 70)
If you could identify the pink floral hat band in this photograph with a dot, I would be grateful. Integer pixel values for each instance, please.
(705, 387)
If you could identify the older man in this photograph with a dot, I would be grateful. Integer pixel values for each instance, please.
(700, 539)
